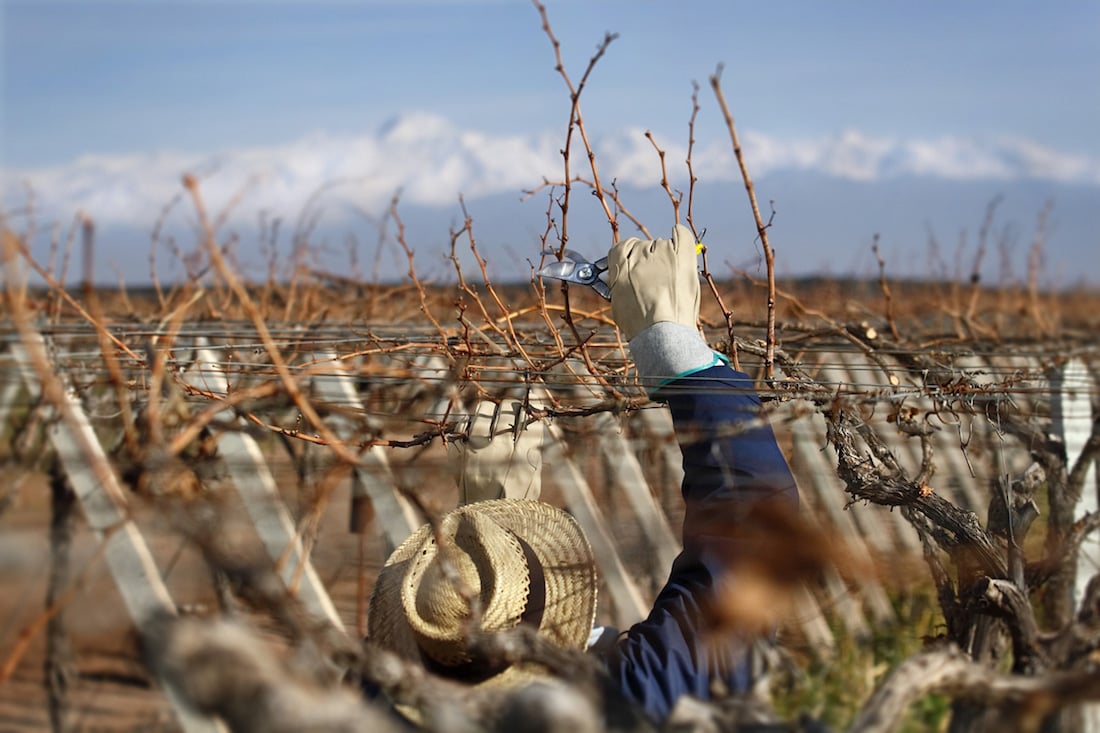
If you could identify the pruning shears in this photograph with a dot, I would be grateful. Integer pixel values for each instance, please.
(575, 268)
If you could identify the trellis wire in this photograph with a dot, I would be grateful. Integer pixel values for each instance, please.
(334, 359)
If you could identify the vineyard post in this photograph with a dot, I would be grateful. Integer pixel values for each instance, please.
(101, 497)
(1072, 420)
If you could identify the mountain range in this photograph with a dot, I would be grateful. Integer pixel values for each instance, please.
(924, 199)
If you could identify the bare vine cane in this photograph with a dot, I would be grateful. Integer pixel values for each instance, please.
(761, 226)
(576, 122)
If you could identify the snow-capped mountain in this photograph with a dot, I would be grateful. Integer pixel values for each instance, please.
(431, 162)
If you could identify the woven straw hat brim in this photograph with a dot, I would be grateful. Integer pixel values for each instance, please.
(558, 544)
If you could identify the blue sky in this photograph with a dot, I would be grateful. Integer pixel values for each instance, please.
(1008, 90)
(203, 76)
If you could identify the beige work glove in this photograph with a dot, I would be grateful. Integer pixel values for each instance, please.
(496, 461)
(655, 302)
(654, 280)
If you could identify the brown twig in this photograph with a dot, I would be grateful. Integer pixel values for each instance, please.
(510, 335)
(692, 179)
(612, 193)
(884, 286)
(110, 361)
(17, 245)
(289, 383)
(403, 243)
(976, 270)
(761, 226)
(1034, 270)
(674, 199)
(576, 120)
(727, 313)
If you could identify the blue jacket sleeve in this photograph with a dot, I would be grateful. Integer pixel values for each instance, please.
(731, 464)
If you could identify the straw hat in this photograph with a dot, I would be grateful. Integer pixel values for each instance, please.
(520, 561)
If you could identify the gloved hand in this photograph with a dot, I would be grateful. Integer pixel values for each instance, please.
(654, 280)
(655, 302)
(494, 462)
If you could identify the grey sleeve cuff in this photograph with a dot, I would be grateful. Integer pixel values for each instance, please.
(668, 350)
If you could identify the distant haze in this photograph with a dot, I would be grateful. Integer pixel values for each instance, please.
(925, 199)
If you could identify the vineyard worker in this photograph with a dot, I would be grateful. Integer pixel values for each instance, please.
(529, 562)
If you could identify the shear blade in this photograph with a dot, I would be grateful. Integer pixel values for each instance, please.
(575, 268)
(559, 270)
(567, 254)
(602, 288)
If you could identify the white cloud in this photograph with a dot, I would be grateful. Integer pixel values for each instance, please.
(432, 161)
(856, 156)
